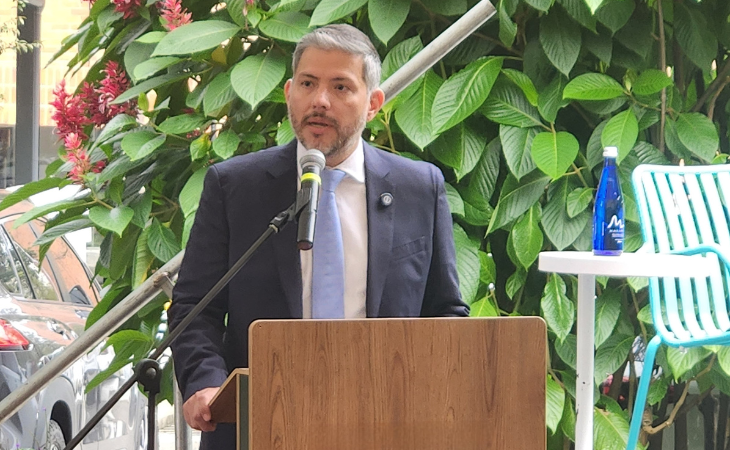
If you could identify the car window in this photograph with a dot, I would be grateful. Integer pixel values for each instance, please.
(12, 274)
(72, 277)
(40, 275)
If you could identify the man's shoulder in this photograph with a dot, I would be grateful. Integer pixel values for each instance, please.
(410, 168)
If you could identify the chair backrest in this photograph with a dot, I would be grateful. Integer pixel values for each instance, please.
(683, 207)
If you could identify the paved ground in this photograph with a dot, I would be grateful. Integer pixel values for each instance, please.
(166, 437)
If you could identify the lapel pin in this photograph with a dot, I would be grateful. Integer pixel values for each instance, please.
(386, 199)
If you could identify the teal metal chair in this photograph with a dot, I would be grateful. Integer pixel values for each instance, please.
(684, 210)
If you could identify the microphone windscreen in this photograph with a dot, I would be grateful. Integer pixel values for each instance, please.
(312, 157)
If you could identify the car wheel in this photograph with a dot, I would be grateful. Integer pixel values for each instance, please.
(54, 437)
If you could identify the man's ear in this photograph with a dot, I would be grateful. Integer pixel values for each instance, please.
(287, 85)
(377, 98)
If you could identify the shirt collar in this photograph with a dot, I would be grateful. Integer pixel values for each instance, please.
(353, 166)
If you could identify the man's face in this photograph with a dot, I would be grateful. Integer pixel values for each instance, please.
(329, 103)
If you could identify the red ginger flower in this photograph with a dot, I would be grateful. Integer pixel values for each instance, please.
(70, 112)
(174, 15)
(128, 7)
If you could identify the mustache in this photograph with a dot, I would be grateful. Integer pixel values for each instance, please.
(322, 118)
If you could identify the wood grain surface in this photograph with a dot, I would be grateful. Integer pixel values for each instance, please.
(400, 384)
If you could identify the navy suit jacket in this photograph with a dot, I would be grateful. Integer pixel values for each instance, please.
(411, 258)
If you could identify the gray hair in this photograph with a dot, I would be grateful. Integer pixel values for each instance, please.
(348, 39)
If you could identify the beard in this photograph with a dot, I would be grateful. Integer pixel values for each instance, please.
(345, 136)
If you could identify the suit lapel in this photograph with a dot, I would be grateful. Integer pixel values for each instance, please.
(380, 226)
(284, 186)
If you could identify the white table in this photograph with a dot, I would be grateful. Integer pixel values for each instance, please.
(586, 265)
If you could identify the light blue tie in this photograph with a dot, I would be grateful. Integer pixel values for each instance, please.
(328, 258)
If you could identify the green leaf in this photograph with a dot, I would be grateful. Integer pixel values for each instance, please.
(621, 131)
(553, 153)
(142, 207)
(330, 10)
(542, 5)
(467, 264)
(219, 93)
(464, 92)
(29, 189)
(561, 39)
(190, 193)
(515, 282)
(226, 144)
(611, 355)
(143, 260)
(516, 198)
(115, 219)
(611, 430)
(235, 10)
(560, 228)
(51, 234)
(698, 133)
(460, 148)
(449, 8)
(650, 82)
(578, 201)
(507, 28)
(43, 210)
(414, 115)
(288, 26)
(153, 37)
(682, 360)
(196, 37)
(148, 85)
(256, 76)
(723, 358)
(593, 86)
(182, 124)
(551, 99)
(199, 147)
(483, 308)
(694, 36)
(555, 403)
(150, 67)
(488, 271)
(527, 237)
(523, 82)
(162, 242)
(615, 14)
(599, 45)
(508, 105)
(594, 149)
(456, 204)
(657, 391)
(557, 309)
(285, 133)
(114, 366)
(387, 16)
(118, 123)
(567, 350)
(594, 5)
(401, 54)
(484, 177)
(516, 145)
(578, 10)
(139, 144)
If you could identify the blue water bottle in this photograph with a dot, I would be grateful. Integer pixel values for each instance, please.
(608, 211)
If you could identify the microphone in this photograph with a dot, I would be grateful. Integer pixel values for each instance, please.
(312, 163)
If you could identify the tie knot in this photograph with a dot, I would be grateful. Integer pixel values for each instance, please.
(331, 178)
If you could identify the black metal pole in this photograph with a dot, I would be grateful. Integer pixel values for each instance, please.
(148, 370)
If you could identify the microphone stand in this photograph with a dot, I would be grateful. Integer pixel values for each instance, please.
(147, 372)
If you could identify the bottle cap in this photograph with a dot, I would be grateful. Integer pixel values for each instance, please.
(610, 152)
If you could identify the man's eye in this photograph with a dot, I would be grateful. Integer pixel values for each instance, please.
(306, 83)
(341, 87)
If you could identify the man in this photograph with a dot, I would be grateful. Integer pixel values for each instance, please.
(394, 222)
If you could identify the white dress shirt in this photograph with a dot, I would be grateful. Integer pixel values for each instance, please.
(352, 208)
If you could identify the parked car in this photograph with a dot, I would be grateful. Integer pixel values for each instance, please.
(43, 308)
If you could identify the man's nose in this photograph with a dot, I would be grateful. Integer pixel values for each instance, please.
(321, 99)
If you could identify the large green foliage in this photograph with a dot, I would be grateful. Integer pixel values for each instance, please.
(516, 117)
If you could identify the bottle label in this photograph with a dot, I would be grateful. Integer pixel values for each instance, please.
(615, 229)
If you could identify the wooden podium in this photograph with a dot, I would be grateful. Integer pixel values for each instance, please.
(390, 384)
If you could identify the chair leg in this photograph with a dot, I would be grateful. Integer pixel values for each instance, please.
(637, 414)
